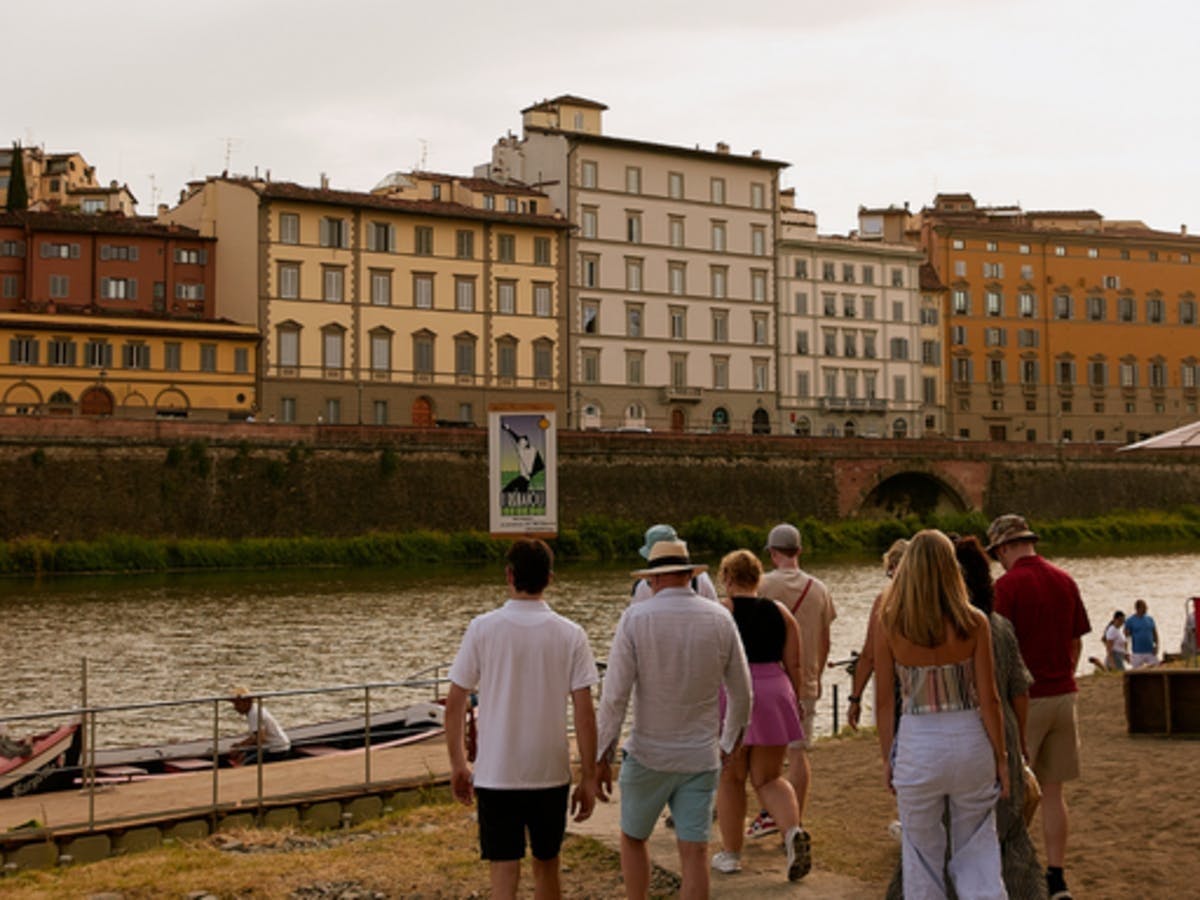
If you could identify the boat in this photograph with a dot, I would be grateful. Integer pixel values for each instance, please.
(51, 753)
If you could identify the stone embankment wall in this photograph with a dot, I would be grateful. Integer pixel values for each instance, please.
(78, 479)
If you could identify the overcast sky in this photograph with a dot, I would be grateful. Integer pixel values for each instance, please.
(1053, 104)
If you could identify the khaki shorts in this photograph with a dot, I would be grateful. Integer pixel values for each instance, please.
(809, 723)
(1053, 736)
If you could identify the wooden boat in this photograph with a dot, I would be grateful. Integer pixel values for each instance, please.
(51, 752)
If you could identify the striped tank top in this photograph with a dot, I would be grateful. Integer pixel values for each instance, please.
(934, 689)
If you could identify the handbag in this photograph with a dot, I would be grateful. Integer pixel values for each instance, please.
(1033, 794)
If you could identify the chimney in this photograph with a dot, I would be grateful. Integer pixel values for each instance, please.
(722, 147)
(324, 182)
(756, 154)
(1183, 228)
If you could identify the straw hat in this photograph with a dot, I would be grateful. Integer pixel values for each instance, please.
(669, 556)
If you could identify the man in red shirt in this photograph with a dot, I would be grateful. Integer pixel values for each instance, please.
(1043, 604)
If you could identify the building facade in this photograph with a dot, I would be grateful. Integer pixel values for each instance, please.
(420, 303)
(850, 345)
(1064, 326)
(64, 181)
(104, 315)
(671, 276)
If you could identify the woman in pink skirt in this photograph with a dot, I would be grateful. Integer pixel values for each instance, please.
(772, 642)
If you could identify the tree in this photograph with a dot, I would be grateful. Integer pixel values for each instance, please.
(18, 194)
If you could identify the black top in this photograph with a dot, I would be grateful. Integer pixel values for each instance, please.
(760, 623)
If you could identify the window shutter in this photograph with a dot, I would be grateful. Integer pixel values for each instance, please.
(199, 292)
(45, 252)
(105, 287)
(105, 251)
(74, 251)
(371, 237)
(391, 233)
(132, 288)
(324, 232)
(343, 233)
(133, 253)
(178, 291)
(204, 257)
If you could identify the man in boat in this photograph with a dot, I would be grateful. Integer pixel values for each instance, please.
(671, 653)
(265, 734)
(524, 660)
(1046, 610)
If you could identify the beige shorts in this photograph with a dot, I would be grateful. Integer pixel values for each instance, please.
(809, 722)
(1053, 735)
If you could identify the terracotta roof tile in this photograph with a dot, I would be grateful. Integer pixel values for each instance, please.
(99, 223)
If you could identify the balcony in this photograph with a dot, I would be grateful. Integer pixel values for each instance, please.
(853, 405)
(680, 394)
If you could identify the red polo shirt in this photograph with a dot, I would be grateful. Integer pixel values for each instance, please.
(1043, 604)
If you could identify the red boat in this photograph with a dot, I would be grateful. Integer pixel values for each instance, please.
(50, 751)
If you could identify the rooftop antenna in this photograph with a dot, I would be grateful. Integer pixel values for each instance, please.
(230, 143)
(153, 192)
(424, 154)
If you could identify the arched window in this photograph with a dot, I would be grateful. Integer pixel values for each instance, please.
(900, 428)
(720, 419)
(848, 428)
(761, 422)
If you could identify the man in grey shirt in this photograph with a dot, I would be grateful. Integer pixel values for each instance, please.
(671, 652)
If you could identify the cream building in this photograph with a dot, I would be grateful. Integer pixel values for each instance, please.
(671, 275)
(850, 343)
(419, 303)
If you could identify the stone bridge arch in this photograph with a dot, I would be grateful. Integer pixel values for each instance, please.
(874, 488)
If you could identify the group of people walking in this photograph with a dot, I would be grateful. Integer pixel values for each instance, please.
(972, 680)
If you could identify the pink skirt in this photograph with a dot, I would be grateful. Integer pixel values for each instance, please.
(774, 718)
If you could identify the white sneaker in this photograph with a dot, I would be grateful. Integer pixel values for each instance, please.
(799, 853)
(727, 862)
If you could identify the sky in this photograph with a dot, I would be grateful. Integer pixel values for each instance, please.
(1052, 104)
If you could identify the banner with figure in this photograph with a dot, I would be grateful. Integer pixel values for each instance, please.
(523, 470)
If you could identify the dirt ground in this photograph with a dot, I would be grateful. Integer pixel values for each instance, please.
(1134, 812)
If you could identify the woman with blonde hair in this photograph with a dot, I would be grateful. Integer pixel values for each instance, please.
(949, 747)
(771, 639)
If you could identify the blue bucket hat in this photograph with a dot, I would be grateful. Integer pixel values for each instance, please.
(654, 534)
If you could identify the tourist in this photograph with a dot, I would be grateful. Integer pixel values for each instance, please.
(266, 740)
(771, 640)
(949, 750)
(1187, 646)
(671, 653)
(1115, 645)
(525, 661)
(1143, 637)
(864, 666)
(808, 600)
(701, 583)
(1047, 613)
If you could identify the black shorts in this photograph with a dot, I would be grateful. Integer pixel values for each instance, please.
(505, 814)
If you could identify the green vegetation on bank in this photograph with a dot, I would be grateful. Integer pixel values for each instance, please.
(594, 538)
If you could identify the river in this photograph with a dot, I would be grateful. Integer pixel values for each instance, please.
(176, 636)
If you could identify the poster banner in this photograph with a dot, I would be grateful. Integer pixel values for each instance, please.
(522, 470)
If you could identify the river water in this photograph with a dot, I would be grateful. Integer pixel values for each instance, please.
(150, 638)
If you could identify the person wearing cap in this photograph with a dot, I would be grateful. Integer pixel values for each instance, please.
(809, 602)
(1047, 613)
(266, 737)
(671, 653)
(701, 583)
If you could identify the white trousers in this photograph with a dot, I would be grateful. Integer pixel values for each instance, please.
(941, 758)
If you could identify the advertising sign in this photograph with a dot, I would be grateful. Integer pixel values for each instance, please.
(523, 470)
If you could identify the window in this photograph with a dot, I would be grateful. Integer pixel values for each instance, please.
(61, 351)
(287, 409)
(802, 343)
(381, 350)
(1026, 306)
(993, 270)
(675, 231)
(423, 240)
(1112, 281)
(1027, 337)
(718, 236)
(868, 307)
(464, 244)
(289, 228)
(758, 195)
(868, 274)
(962, 370)
(829, 304)
(800, 303)
(849, 343)
(633, 180)
(135, 355)
(423, 354)
(60, 286)
(588, 174)
(848, 307)
(1060, 250)
(464, 355)
(436, 191)
(23, 351)
(716, 191)
(381, 237)
(1095, 308)
(288, 343)
(1154, 310)
(187, 291)
(869, 344)
(588, 218)
(677, 278)
(1187, 312)
(1152, 256)
(633, 320)
(590, 270)
(590, 362)
(899, 348)
(900, 388)
(1097, 373)
(720, 326)
(489, 201)
(958, 335)
(800, 267)
(1027, 273)
(506, 248)
(208, 357)
(1158, 374)
(675, 185)
(958, 244)
(634, 366)
(589, 316)
(1029, 371)
(760, 368)
(128, 252)
(506, 297)
(379, 412)
(333, 280)
(679, 377)
(633, 228)
(381, 287)
(422, 290)
(758, 285)
(758, 240)
(118, 288)
(931, 353)
(719, 278)
(720, 373)
(850, 377)
(241, 360)
(633, 274)
(678, 319)
(828, 271)
(994, 303)
(829, 337)
(929, 315)
(289, 281)
(543, 359)
(996, 371)
(1128, 374)
(848, 273)
(541, 299)
(760, 328)
(898, 311)
(59, 251)
(333, 408)
(334, 232)
(1062, 306)
(960, 268)
(897, 278)
(802, 384)
(1188, 374)
(961, 301)
(1065, 371)
(464, 294)
(10, 288)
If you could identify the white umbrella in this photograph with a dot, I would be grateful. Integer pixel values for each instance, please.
(1177, 438)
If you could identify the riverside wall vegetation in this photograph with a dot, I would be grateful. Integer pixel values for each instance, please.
(92, 495)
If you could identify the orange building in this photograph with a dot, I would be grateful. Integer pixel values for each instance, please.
(1063, 326)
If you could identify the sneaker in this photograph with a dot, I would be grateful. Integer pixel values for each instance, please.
(896, 831)
(727, 862)
(799, 853)
(762, 825)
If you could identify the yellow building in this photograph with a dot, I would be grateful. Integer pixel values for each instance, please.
(134, 367)
(64, 181)
(418, 303)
